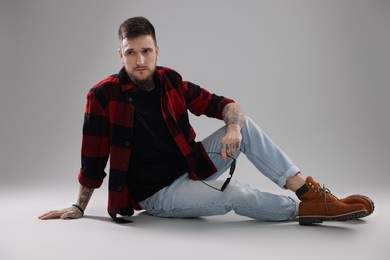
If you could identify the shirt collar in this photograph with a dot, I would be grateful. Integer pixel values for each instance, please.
(125, 81)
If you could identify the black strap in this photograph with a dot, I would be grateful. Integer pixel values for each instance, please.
(78, 207)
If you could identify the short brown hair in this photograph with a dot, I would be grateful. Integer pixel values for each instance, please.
(134, 27)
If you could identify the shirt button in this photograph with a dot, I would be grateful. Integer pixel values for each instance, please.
(119, 188)
(124, 165)
(127, 143)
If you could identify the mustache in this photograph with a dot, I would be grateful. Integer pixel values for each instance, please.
(141, 68)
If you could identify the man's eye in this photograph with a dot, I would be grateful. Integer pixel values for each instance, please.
(130, 53)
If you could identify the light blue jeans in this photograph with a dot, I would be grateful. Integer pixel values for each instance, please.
(192, 198)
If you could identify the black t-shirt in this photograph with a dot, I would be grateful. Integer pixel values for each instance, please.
(156, 160)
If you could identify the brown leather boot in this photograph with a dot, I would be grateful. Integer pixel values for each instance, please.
(318, 205)
(361, 199)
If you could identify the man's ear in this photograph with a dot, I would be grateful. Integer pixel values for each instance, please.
(157, 51)
(120, 54)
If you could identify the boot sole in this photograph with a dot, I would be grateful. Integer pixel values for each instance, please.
(369, 201)
(310, 220)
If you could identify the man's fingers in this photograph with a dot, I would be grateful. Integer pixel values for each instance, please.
(62, 214)
(229, 149)
(233, 148)
(223, 152)
(67, 215)
(71, 213)
(50, 214)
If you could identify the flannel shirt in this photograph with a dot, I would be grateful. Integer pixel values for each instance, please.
(107, 131)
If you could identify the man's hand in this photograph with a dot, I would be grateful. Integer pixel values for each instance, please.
(231, 142)
(76, 211)
(68, 213)
(233, 116)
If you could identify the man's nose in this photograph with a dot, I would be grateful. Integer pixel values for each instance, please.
(140, 59)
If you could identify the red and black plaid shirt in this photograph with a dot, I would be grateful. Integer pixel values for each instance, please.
(107, 131)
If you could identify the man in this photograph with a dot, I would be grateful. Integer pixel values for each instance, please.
(139, 119)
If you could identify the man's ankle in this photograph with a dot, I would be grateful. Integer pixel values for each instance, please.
(295, 182)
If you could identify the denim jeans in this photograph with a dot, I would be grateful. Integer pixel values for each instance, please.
(192, 198)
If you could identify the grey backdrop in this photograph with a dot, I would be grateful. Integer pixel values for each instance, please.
(313, 74)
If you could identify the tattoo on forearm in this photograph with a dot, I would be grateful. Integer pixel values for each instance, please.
(84, 196)
(233, 114)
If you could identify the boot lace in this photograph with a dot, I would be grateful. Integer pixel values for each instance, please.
(326, 193)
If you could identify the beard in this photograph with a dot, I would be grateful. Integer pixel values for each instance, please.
(146, 84)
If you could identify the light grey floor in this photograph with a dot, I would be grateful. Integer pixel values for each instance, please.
(95, 236)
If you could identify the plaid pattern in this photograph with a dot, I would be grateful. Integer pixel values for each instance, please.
(107, 131)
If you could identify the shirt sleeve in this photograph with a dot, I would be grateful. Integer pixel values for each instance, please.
(95, 142)
(201, 102)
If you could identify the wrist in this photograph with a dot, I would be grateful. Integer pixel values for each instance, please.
(234, 127)
(78, 208)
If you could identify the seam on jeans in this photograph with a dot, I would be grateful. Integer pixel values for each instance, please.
(267, 215)
(273, 169)
(205, 206)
